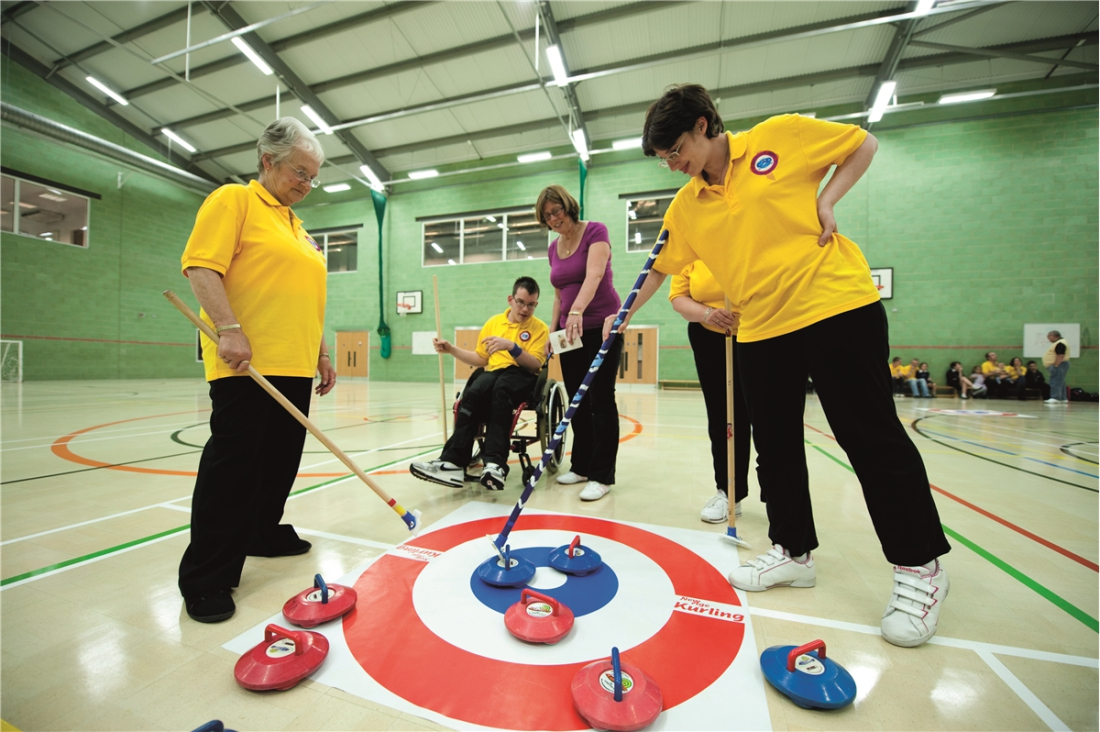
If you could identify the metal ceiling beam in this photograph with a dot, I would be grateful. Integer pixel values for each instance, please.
(553, 37)
(903, 31)
(16, 10)
(298, 87)
(126, 36)
(298, 39)
(957, 19)
(96, 105)
(996, 53)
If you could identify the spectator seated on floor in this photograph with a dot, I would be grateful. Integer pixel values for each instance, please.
(917, 385)
(962, 385)
(922, 374)
(994, 374)
(1032, 379)
(900, 374)
(978, 379)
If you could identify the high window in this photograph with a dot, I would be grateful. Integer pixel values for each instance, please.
(483, 236)
(43, 210)
(645, 215)
(341, 247)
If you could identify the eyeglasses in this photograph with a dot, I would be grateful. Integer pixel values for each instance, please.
(554, 213)
(305, 177)
(672, 156)
(523, 305)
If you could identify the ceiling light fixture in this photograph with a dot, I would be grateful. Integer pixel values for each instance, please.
(924, 6)
(178, 140)
(534, 157)
(628, 144)
(520, 246)
(553, 55)
(375, 181)
(422, 174)
(252, 56)
(492, 218)
(103, 88)
(437, 248)
(337, 188)
(317, 119)
(579, 143)
(882, 99)
(451, 261)
(970, 96)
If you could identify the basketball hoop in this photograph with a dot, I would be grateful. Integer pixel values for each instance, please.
(403, 308)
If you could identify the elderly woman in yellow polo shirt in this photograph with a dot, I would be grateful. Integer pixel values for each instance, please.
(260, 279)
(753, 213)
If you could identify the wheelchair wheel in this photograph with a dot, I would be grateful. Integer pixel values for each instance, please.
(554, 404)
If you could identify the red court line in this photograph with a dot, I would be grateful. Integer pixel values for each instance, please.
(1004, 522)
(91, 340)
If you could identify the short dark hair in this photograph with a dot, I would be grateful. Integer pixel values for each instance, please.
(675, 113)
(987, 354)
(527, 283)
(1054, 333)
(895, 358)
(1031, 362)
(954, 364)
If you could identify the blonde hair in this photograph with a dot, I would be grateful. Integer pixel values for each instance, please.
(282, 137)
(557, 194)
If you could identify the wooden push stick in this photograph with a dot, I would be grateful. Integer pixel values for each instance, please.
(731, 492)
(411, 518)
(439, 336)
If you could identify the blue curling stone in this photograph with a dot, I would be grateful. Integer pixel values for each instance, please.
(574, 558)
(507, 572)
(811, 680)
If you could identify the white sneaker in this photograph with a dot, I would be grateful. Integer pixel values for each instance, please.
(774, 569)
(571, 478)
(493, 476)
(594, 491)
(438, 471)
(914, 609)
(716, 510)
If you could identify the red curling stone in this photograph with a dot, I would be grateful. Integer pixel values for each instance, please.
(538, 618)
(319, 604)
(616, 696)
(282, 660)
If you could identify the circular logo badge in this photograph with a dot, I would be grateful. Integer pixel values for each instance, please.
(315, 596)
(808, 664)
(525, 336)
(280, 648)
(764, 162)
(607, 682)
(539, 610)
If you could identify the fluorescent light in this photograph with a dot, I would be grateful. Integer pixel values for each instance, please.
(882, 99)
(252, 56)
(421, 174)
(47, 235)
(437, 248)
(177, 139)
(375, 181)
(534, 157)
(628, 144)
(970, 96)
(317, 120)
(519, 245)
(553, 55)
(500, 226)
(579, 143)
(337, 187)
(632, 214)
(492, 218)
(451, 261)
(529, 256)
(923, 6)
(808, 114)
(52, 197)
(103, 88)
(637, 237)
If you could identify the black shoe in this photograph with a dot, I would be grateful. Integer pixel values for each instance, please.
(213, 607)
(286, 549)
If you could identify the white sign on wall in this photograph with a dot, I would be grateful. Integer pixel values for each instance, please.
(1036, 343)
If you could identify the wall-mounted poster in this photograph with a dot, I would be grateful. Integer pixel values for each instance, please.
(884, 281)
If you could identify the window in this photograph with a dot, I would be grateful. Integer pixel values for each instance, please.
(43, 211)
(644, 218)
(484, 236)
(340, 246)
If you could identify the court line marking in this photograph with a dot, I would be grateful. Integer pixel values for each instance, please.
(1044, 592)
(348, 539)
(1026, 695)
(1008, 452)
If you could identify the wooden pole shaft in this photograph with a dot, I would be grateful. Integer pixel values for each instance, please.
(442, 384)
(730, 491)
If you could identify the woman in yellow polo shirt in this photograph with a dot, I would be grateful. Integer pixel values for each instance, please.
(698, 297)
(752, 212)
(260, 279)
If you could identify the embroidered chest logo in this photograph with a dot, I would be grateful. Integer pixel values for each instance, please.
(314, 244)
(525, 336)
(765, 163)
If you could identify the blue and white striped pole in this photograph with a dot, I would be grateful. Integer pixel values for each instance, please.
(559, 433)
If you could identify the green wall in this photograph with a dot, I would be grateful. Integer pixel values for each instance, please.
(988, 224)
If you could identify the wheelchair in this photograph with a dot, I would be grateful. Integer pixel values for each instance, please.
(548, 402)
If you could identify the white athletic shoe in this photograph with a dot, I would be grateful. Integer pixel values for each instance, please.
(492, 477)
(439, 471)
(914, 610)
(774, 569)
(716, 510)
(571, 478)
(594, 491)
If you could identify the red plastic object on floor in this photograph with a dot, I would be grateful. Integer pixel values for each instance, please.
(282, 660)
(538, 618)
(616, 696)
(319, 604)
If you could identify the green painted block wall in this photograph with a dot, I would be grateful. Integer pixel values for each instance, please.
(988, 224)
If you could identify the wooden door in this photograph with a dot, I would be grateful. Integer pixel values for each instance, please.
(638, 364)
(465, 337)
(352, 353)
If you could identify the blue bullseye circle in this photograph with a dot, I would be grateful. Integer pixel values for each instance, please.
(582, 595)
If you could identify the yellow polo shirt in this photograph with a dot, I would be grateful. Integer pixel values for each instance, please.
(273, 272)
(988, 368)
(696, 282)
(757, 230)
(901, 372)
(1049, 356)
(1015, 372)
(530, 335)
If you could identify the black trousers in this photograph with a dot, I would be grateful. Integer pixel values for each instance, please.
(596, 423)
(491, 399)
(846, 356)
(709, 350)
(247, 469)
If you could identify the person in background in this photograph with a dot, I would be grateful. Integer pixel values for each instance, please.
(1014, 371)
(900, 374)
(699, 299)
(954, 378)
(1056, 360)
(923, 375)
(260, 279)
(1033, 379)
(978, 379)
(917, 384)
(584, 295)
(994, 374)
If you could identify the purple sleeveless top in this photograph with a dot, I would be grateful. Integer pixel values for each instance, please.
(567, 276)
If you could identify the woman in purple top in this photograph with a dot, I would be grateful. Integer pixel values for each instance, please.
(584, 295)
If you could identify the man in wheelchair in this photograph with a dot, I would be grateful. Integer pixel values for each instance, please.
(511, 349)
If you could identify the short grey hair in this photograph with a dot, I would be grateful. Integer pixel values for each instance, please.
(1054, 333)
(282, 137)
